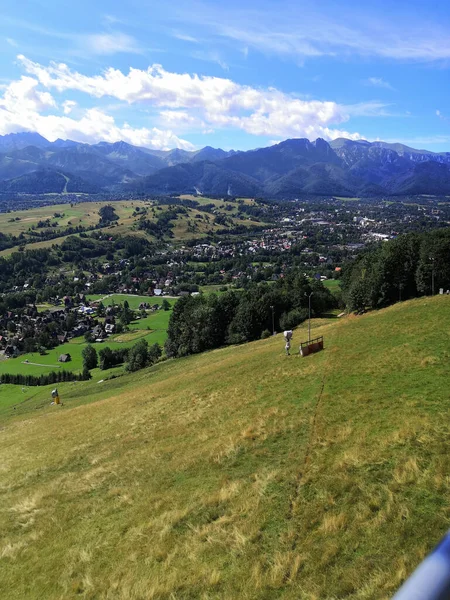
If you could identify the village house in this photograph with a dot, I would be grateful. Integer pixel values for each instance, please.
(11, 351)
(109, 328)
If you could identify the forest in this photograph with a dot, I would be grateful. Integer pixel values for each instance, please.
(200, 323)
(412, 265)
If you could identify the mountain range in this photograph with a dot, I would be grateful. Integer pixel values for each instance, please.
(31, 164)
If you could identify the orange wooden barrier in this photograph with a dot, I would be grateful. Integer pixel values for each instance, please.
(315, 345)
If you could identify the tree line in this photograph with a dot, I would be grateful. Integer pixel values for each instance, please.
(137, 357)
(409, 266)
(200, 323)
(47, 379)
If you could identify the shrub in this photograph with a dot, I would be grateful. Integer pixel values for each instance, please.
(293, 318)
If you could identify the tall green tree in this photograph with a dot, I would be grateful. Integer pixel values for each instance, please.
(90, 358)
(141, 355)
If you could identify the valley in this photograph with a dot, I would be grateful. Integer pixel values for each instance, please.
(191, 457)
(224, 300)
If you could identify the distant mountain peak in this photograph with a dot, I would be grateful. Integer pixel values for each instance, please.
(296, 166)
(122, 144)
(295, 142)
(60, 143)
(17, 141)
(25, 135)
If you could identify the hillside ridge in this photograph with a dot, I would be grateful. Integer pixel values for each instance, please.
(190, 478)
(284, 170)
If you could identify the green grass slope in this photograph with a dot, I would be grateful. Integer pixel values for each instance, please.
(239, 473)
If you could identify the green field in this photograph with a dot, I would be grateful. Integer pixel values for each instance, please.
(333, 285)
(214, 289)
(238, 473)
(220, 204)
(133, 301)
(194, 224)
(157, 324)
(158, 320)
(49, 362)
(17, 400)
(12, 395)
(83, 213)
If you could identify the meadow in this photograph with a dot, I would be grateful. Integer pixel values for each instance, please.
(195, 223)
(83, 213)
(238, 473)
(133, 300)
(334, 285)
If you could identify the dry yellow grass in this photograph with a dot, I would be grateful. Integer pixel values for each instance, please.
(240, 473)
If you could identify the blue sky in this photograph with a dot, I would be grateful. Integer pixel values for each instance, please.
(235, 74)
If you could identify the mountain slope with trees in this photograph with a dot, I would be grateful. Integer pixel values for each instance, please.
(285, 170)
(298, 166)
(45, 181)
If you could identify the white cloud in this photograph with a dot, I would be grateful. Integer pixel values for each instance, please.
(373, 108)
(420, 141)
(210, 56)
(180, 120)
(22, 105)
(378, 82)
(68, 106)
(185, 37)
(111, 19)
(109, 43)
(106, 42)
(11, 42)
(22, 97)
(295, 29)
(442, 116)
(206, 101)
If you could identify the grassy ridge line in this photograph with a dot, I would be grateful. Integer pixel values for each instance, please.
(191, 480)
(85, 214)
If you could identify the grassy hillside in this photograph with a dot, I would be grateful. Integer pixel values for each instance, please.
(239, 473)
(85, 214)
